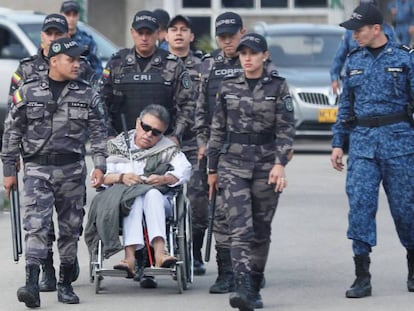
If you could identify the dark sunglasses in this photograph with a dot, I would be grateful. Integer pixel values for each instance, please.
(148, 128)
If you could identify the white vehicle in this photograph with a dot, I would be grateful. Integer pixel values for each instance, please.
(20, 38)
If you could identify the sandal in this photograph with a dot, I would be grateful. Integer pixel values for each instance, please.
(124, 266)
(167, 261)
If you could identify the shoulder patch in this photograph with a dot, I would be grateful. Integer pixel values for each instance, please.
(288, 102)
(186, 80)
(17, 98)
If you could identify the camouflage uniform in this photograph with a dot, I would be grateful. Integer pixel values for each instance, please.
(243, 150)
(378, 86)
(51, 138)
(85, 40)
(126, 89)
(197, 188)
(213, 68)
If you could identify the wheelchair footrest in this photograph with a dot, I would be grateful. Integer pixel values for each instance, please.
(112, 272)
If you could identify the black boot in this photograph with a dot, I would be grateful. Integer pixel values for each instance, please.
(199, 268)
(243, 298)
(362, 284)
(48, 282)
(257, 280)
(225, 280)
(29, 294)
(410, 262)
(64, 287)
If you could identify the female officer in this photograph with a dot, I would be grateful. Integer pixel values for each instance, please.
(250, 144)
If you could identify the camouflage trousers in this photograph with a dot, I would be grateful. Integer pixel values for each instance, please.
(45, 187)
(364, 177)
(197, 192)
(249, 204)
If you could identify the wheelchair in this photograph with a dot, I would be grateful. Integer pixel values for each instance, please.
(178, 241)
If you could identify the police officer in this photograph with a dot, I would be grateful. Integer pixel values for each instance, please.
(250, 143)
(403, 14)
(143, 75)
(179, 37)
(48, 126)
(54, 27)
(373, 111)
(225, 60)
(163, 19)
(71, 10)
(346, 45)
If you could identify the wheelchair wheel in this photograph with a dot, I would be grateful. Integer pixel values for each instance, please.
(184, 243)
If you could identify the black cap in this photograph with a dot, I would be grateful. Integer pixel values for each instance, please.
(70, 5)
(363, 15)
(145, 19)
(254, 41)
(56, 21)
(162, 17)
(65, 46)
(228, 22)
(180, 18)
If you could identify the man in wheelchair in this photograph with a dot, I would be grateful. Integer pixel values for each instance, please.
(142, 166)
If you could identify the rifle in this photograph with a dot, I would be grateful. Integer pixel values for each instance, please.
(15, 222)
(211, 212)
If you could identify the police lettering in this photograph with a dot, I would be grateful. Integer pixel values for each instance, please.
(142, 77)
(225, 72)
(146, 17)
(226, 21)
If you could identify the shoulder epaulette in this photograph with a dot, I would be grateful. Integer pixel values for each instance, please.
(31, 80)
(406, 48)
(120, 53)
(275, 74)
(354, 50)
(205, 56)
(28, 59)
(198, 53)
(82, 81)
(232, 75)
(171, 56)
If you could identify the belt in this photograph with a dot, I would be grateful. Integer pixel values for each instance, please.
(250, 139)
(55, 159)
(382, 120)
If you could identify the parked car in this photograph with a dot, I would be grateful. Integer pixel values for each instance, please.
(20, 37)
(303, 54)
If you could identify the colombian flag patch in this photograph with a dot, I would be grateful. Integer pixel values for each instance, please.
(16, 78)
(106, 73)
(17, 98)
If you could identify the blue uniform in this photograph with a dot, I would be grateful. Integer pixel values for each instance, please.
(86, 41)
(346, 45)
(378, 153)
(403, 19)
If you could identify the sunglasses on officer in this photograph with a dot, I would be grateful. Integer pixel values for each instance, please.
(147, 128)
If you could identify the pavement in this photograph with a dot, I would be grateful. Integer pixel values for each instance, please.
(309, 268)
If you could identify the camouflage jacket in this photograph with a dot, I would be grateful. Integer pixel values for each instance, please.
(268, 110)
(38, 125)
(173, 73)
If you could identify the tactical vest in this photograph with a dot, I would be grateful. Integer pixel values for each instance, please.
(140, 89)
(218, 71)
